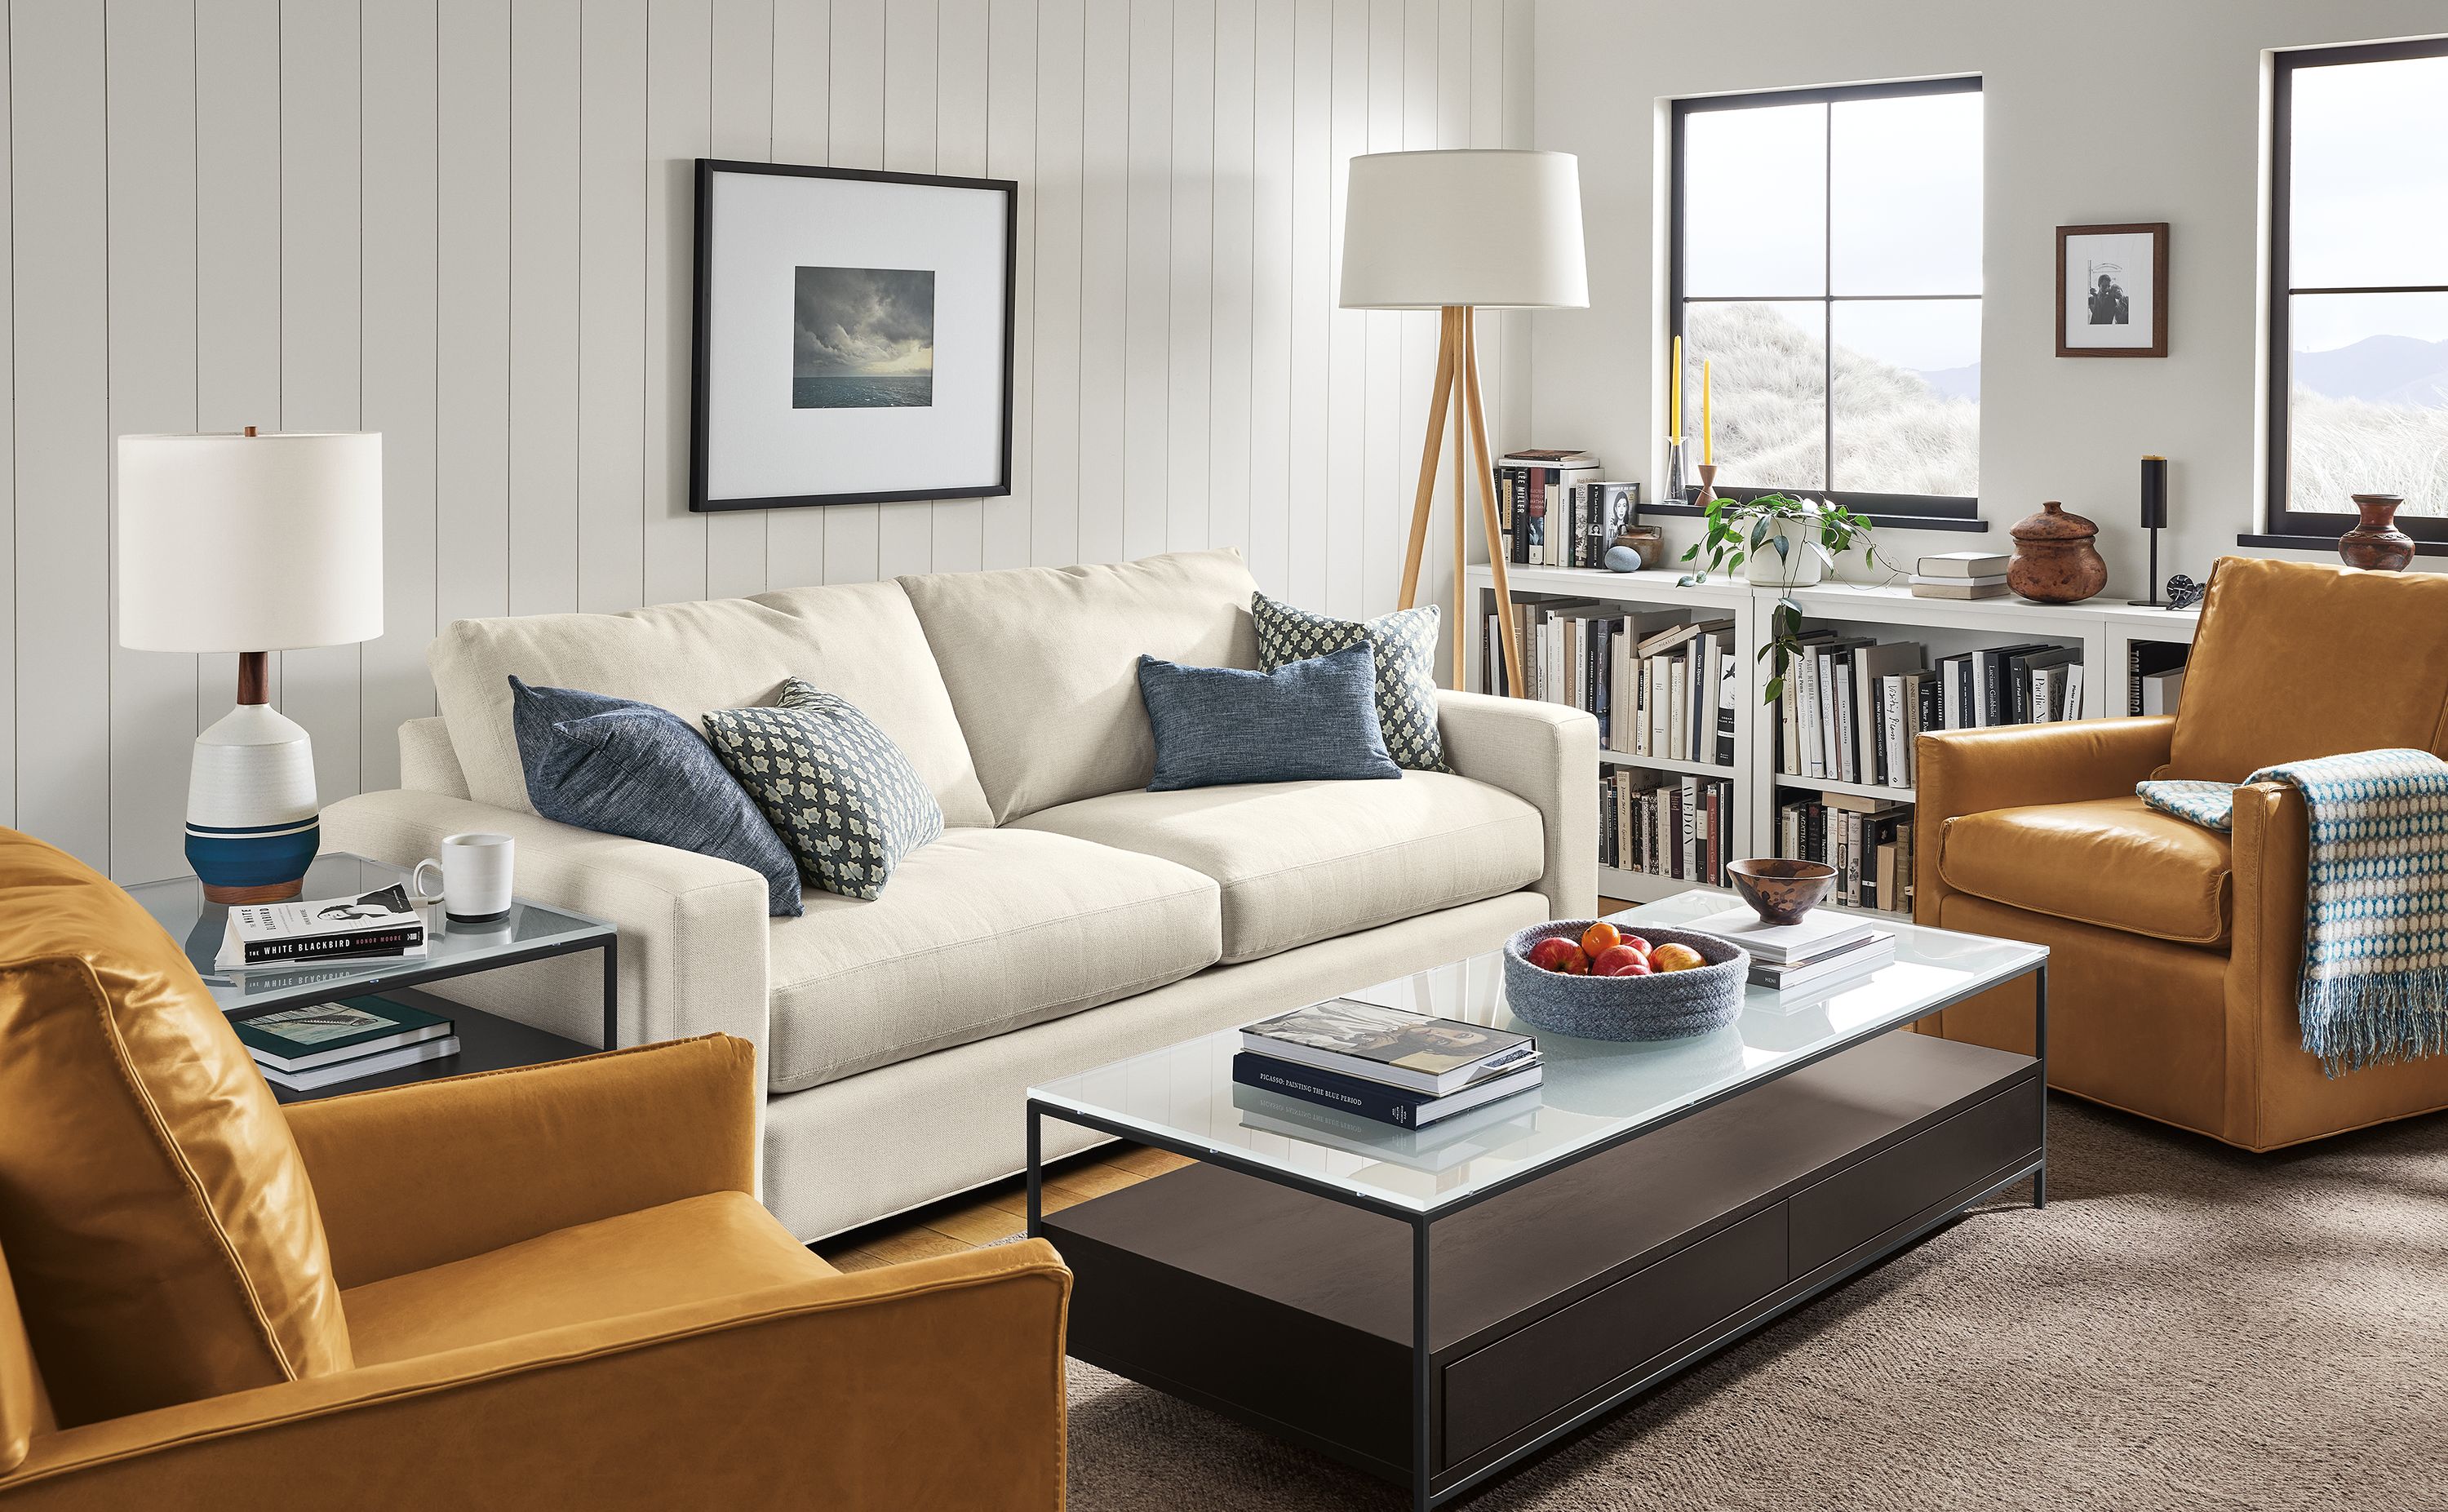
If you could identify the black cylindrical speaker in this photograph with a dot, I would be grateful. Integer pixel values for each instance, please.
(2155, 492)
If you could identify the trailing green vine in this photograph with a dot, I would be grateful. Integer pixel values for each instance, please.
(1738, 529)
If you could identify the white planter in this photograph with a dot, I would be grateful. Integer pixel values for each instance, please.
(1797, 566)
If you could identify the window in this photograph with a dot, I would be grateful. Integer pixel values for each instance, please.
(2358, 287)
(1826, 264)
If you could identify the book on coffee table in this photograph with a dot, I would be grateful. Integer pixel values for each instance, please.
(1393, 1046)
(1822, 932)
(1375, 1099)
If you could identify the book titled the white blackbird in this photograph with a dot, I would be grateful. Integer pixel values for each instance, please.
(1391, 1046)
(268, 935)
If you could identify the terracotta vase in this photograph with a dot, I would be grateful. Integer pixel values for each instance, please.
(2376, 544)
(2056, 560)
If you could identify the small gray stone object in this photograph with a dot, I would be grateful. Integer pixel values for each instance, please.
(1623, 559)
(1669, 1005)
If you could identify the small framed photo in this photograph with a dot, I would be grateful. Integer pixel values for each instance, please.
(853, 337)
(2112, 291)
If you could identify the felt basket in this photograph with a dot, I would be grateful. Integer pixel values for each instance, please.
(1666, 1005)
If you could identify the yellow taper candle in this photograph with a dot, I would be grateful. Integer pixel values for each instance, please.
(1675, 394)
(1708, 428)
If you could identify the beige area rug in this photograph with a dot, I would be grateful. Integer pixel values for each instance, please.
(2184, 1326)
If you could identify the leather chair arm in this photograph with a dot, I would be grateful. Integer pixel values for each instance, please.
(935, 1383)
(1959, 771)
(2271, 857)
(414, 1177)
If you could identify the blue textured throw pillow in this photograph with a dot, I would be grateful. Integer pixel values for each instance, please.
(1310, 720)
(619, 767)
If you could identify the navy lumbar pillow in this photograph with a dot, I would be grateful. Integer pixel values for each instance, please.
(843, 795)
(620, 767)
(1308, 720)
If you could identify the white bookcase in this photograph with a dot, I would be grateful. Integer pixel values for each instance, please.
(2104, 631)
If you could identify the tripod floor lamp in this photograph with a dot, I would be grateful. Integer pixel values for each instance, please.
(1460, 232)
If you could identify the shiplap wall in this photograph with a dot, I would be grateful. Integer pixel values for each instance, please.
(465, 224)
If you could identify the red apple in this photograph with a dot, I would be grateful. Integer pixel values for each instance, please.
(1578, 963)
(1550, 954)
(1638, 944)
(1623, 960)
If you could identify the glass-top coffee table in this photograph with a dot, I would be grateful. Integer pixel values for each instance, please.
(1434, 1305)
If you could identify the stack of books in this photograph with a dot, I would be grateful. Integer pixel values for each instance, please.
(2154, 676)
(1389, 1065)
(1959, 575)
(1532, 497)
(1869, 842)
(1665, 826)
(1822, 954)
(379, 926)
(329, 1043)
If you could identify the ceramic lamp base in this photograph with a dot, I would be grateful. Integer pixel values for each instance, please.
(252, 824)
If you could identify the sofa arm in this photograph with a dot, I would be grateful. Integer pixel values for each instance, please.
(935, 1383)
(413, 1177)
(1959, 771)
(1546, 755)
(693, 928)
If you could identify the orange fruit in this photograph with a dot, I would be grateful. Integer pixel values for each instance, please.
(1599, 938)
(1675, 958)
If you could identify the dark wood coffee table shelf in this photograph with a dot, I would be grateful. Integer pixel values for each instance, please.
(1648, 1207)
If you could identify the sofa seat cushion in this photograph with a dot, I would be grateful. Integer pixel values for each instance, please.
(982, 932)
(1299, 862)
(695, 1250)
(2113, 862)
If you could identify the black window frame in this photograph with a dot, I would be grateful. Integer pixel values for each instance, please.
(1918, 511)
(2287, 525)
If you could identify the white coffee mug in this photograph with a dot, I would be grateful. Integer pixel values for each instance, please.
(475, 869)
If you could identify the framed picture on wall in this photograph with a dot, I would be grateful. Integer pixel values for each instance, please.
(2112, 291)
(853, 337)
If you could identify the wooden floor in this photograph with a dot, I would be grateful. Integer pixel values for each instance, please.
(998, 1212)
(992, 1213)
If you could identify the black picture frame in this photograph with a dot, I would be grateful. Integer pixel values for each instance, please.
(701, 344)
(2157, 232)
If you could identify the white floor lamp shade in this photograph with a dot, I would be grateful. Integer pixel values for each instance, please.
(251, 544)
(1463, 231)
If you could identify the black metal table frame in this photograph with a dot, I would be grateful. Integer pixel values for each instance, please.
(1420, 1222)
(415, 976)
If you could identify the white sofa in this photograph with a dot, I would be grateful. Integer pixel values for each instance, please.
(1067, 918)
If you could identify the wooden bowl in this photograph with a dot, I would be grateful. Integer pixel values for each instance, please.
(1779, 889)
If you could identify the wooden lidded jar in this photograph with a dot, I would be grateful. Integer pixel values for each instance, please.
(2056, 560)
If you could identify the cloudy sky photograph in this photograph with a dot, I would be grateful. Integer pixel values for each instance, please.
(864, 338)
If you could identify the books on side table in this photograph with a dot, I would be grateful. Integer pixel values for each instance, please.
(1388, 1064)
(1825, 952)
(377, 926)
(325, 1043)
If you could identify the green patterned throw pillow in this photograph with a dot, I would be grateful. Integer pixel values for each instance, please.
(835, 788)
(1405, 647)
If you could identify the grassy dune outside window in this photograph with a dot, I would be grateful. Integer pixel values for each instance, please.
(2359, 292)
(1826, 264)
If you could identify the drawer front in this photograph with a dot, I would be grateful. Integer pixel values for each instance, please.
(1863, 1201)
(1513, 1383)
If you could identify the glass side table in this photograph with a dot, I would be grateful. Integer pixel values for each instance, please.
(486, 1041)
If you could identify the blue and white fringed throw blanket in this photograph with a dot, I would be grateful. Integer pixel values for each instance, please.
(2375, 984)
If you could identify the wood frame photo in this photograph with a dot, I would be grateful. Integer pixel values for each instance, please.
(853, 336)
(2119, 336)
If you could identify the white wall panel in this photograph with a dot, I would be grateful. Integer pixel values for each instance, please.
(470, 226)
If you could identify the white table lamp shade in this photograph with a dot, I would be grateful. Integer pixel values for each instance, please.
(1492, 229)
(264, 543)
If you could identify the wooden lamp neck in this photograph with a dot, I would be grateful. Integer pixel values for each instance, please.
(254, 677)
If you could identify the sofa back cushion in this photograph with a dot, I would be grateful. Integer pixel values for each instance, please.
(1043, 664)
(857, 639)
(2295, 658)
(164, 1241)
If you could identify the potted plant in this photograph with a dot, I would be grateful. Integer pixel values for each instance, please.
(1779, 542)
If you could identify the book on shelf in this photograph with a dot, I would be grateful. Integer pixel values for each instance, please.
(2161, 691)
(1919, 581)
(1664, 824)
(1958, 590)
(2149, 660)
(1392, 1046)
(324, 1034)
(268, 936)
(1867, 841)
(1448, 1141)
(1532, 499)
(363, 1067)
(1959, 565)
(1367, 1098)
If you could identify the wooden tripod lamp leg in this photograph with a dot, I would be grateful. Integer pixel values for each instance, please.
(1424, 501)
(1461, 543)
(1487, 521)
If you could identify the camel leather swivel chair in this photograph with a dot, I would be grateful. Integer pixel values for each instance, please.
(2174, 951)
(540, 1288)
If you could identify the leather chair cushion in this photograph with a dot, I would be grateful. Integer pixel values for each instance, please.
(155, 1211)
(2260, 689)
(694, 1250)
(1300, 862)
(2113, 862)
